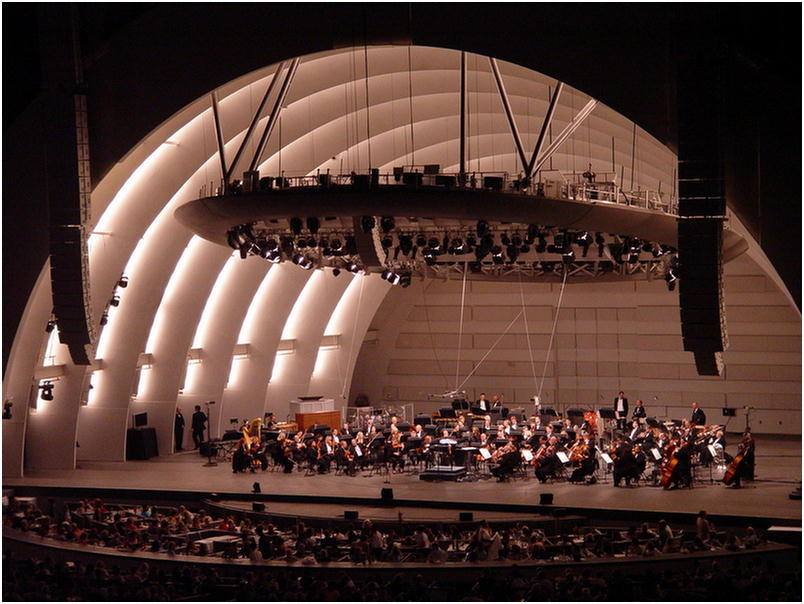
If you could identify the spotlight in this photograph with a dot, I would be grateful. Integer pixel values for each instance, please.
(231, 239)
(245, 248)
(542, 246)
(471, 242)
(301, 243)
(115, 301)
(313, 224)
(533, 233)
(274, 256)
(351, 246)
(404, 280)
(367, 223)
(352, 267)
(387, 224)
(457, 246)
(311, 242)
(323, 243)
(50, 326)
(405, 244)
(47, 391)
(482, 228)
(7, 409)
(336, 272)
(513, 252)
(516, 241)
(302, 261)
(497, 254)
(567, 257)
(633, 256)
(296, 225)
(336, 245)
(505, 239)
(434, 244)
(387, 242)
(104, 318)
(386, 274)
(391, 277)
(420, 241)
(123, 282)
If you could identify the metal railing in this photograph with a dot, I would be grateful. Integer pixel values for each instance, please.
(551, 184)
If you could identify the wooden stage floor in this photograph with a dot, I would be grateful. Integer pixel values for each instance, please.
(778, 472)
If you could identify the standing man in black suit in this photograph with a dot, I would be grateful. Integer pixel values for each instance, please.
(199, 423)
(178, 429)
(621, 410)
(698, 416)
(482, 403)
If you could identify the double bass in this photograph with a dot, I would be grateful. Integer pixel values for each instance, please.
(745, 446)
(669, 465)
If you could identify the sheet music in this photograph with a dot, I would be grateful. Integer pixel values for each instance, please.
(562, 457)
(358, 452)
(484, 453)
(712, 450)
(527, 454)
(656, 455)
(606, 458)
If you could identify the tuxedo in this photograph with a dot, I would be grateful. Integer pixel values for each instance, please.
(698, 417)
(633, 434)
(483, 404)
(639, 412)
(621, 411)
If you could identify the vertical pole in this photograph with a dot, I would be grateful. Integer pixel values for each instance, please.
(633, 155)
(462, 170)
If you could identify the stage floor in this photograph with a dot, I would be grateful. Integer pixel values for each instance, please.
(778, 472)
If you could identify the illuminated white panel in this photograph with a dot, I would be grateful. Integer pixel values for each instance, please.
(256, 310)
(50, 349)
(304, 305)
(202, 331)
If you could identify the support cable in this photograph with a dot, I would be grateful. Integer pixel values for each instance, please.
(460, 329)
(553, 332)
(354, 333)
(527, 332)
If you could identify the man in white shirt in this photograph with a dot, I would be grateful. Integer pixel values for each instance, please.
(621, 410)
(482, 403)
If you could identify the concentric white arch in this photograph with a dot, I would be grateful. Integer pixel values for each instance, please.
(324, 117)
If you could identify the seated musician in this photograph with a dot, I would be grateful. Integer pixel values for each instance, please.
(482, 403)
(639, 412)
(326, 449)
(585, 460)
(427, 453)
(418, 432)
(271, 421)
(635, 430)
(501, 435)
(536, 423)
(487, 423)
(259, 455)
(336, 437)
(358, 450)
(344, 458)
(241, 458)
(346, 432)
(682, 476)
(394, 449)
(745, 467)
(507, 458)
(282, 453)
(513, 422)
(550, 464)
(625, 466)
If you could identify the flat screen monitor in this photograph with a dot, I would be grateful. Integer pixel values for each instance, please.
(140, 420)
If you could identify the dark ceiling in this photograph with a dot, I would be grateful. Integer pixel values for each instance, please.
(143, 62)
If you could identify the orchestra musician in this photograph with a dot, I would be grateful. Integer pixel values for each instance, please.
(550, 464)
(639, 412)
(507, 459)
(282, 453)
(742, 466)
(326, 453)
(698, 417)
(583, 457)
(621, 409)
(635, 429)
(241, 458)
(345, 458)
(393, 450)
(482, 403)
(625, 465)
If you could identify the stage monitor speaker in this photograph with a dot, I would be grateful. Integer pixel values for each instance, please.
(701, 306)
(350, 515)
(258, 506)
(387, 495)
(466, 516)
(546, 499)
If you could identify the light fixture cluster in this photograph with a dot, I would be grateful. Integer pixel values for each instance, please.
(122, 283)
(47, 391)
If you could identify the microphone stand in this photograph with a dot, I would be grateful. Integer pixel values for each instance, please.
(209, 463)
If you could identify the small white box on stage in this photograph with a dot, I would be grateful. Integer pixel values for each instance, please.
(527, 455)
(484, 453)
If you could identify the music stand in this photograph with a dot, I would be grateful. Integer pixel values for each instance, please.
(447, 412)
(609, 415)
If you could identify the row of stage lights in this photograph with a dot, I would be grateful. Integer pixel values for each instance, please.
(496, 246)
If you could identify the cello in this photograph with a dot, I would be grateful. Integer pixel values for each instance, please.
(728, 477)
(669, 465)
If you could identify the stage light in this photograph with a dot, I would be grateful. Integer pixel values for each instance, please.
(336, 245)
(336, 272)
(367, 223)
(505, 239)
(532, 234)
(47, 391)
(123, 282)
(323, 242)
(313, 224)
(50, 326)
(302, 261)
(387, 224)
(542, 246)
(391, 277)
(301, 243)
(405, 244)
(434, 244)
(516, 241)
(671, 279)
(104, 318)
(351, 245)
(497, 254)
(296, 225)
(482, 228)
(115, 301)
(386, 274)
(567, 257)
(274, 256)
(457, 246)
(512, 252)
(387, 242)
(352, 267)
(420, 241)
(231, 239)
(404, 280)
